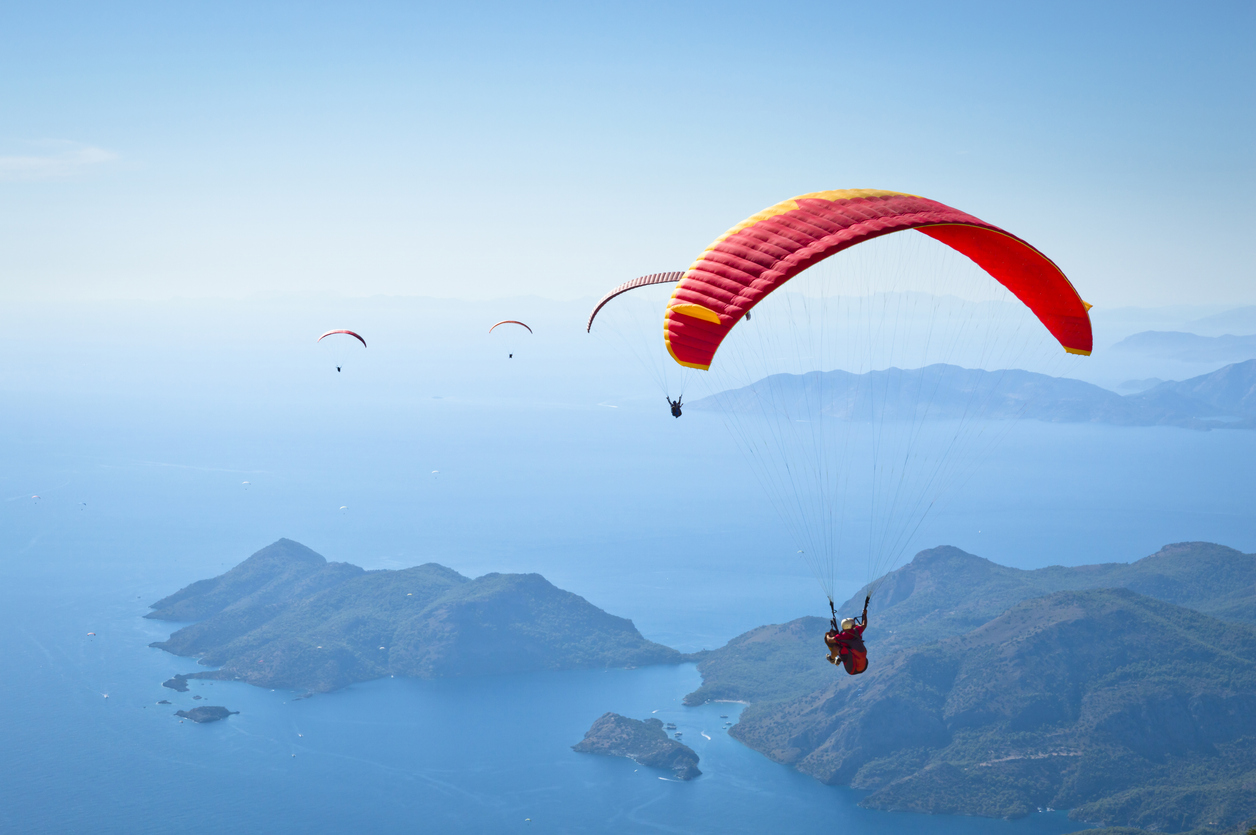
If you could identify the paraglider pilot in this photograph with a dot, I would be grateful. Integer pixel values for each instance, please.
(846, 646)
(675, 405)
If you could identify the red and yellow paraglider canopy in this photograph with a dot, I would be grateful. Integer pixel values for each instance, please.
(761, 253)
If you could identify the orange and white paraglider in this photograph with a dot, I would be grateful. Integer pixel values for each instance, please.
(511, 354)
(338, 344)
(625, 319)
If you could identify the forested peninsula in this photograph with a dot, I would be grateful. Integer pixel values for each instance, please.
(1125, 693)
(286, 617)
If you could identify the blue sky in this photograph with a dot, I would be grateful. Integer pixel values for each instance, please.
(478, 151)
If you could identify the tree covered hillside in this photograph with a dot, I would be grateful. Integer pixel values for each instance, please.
(946, 591)
(287, 618)
(1124, 709)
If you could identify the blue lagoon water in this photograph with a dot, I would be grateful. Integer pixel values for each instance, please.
(139, 460)
(396, 755)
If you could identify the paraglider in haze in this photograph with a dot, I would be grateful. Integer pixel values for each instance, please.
(511, 355)
(866, 343)
(349, 333)
(627, 324)
(346, 333)
(643, 281)
(509, 322)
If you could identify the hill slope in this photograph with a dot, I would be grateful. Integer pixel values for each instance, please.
(1229, 391)
(304, 623)
(277, 572)
(1125, 709)
(945, 592)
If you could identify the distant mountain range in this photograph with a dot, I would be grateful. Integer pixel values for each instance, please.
(1225, 398)
(1234, 320)
(1124, 692)
(1188, 347)
(286, 617)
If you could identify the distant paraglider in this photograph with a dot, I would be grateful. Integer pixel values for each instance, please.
(350, 333)
(510, 322)
(339, 363)
(511, 355)
(628, 325)
(643, 281)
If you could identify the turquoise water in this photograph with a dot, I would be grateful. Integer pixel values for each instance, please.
(470, 755)
(113, 531)
(139, 458)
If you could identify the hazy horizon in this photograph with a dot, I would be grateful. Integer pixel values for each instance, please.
(191, 194)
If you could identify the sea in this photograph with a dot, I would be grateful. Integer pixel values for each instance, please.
(135, 462)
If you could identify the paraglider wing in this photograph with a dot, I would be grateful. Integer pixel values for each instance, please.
(350, 333)
(761, 253)
(643, 281)
(510, 322)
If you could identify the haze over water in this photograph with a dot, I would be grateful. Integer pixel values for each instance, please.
(138, 428)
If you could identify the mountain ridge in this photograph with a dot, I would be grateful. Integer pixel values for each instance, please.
(1061, 702)
(911, 735)
(303, 623)
(945, 591)
(1225, 398)
(1189, 347)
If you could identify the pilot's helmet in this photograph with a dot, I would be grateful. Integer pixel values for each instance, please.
(847, 624)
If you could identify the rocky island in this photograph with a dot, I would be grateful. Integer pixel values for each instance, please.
(288, 618)
(645, 742)
(207, 713)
